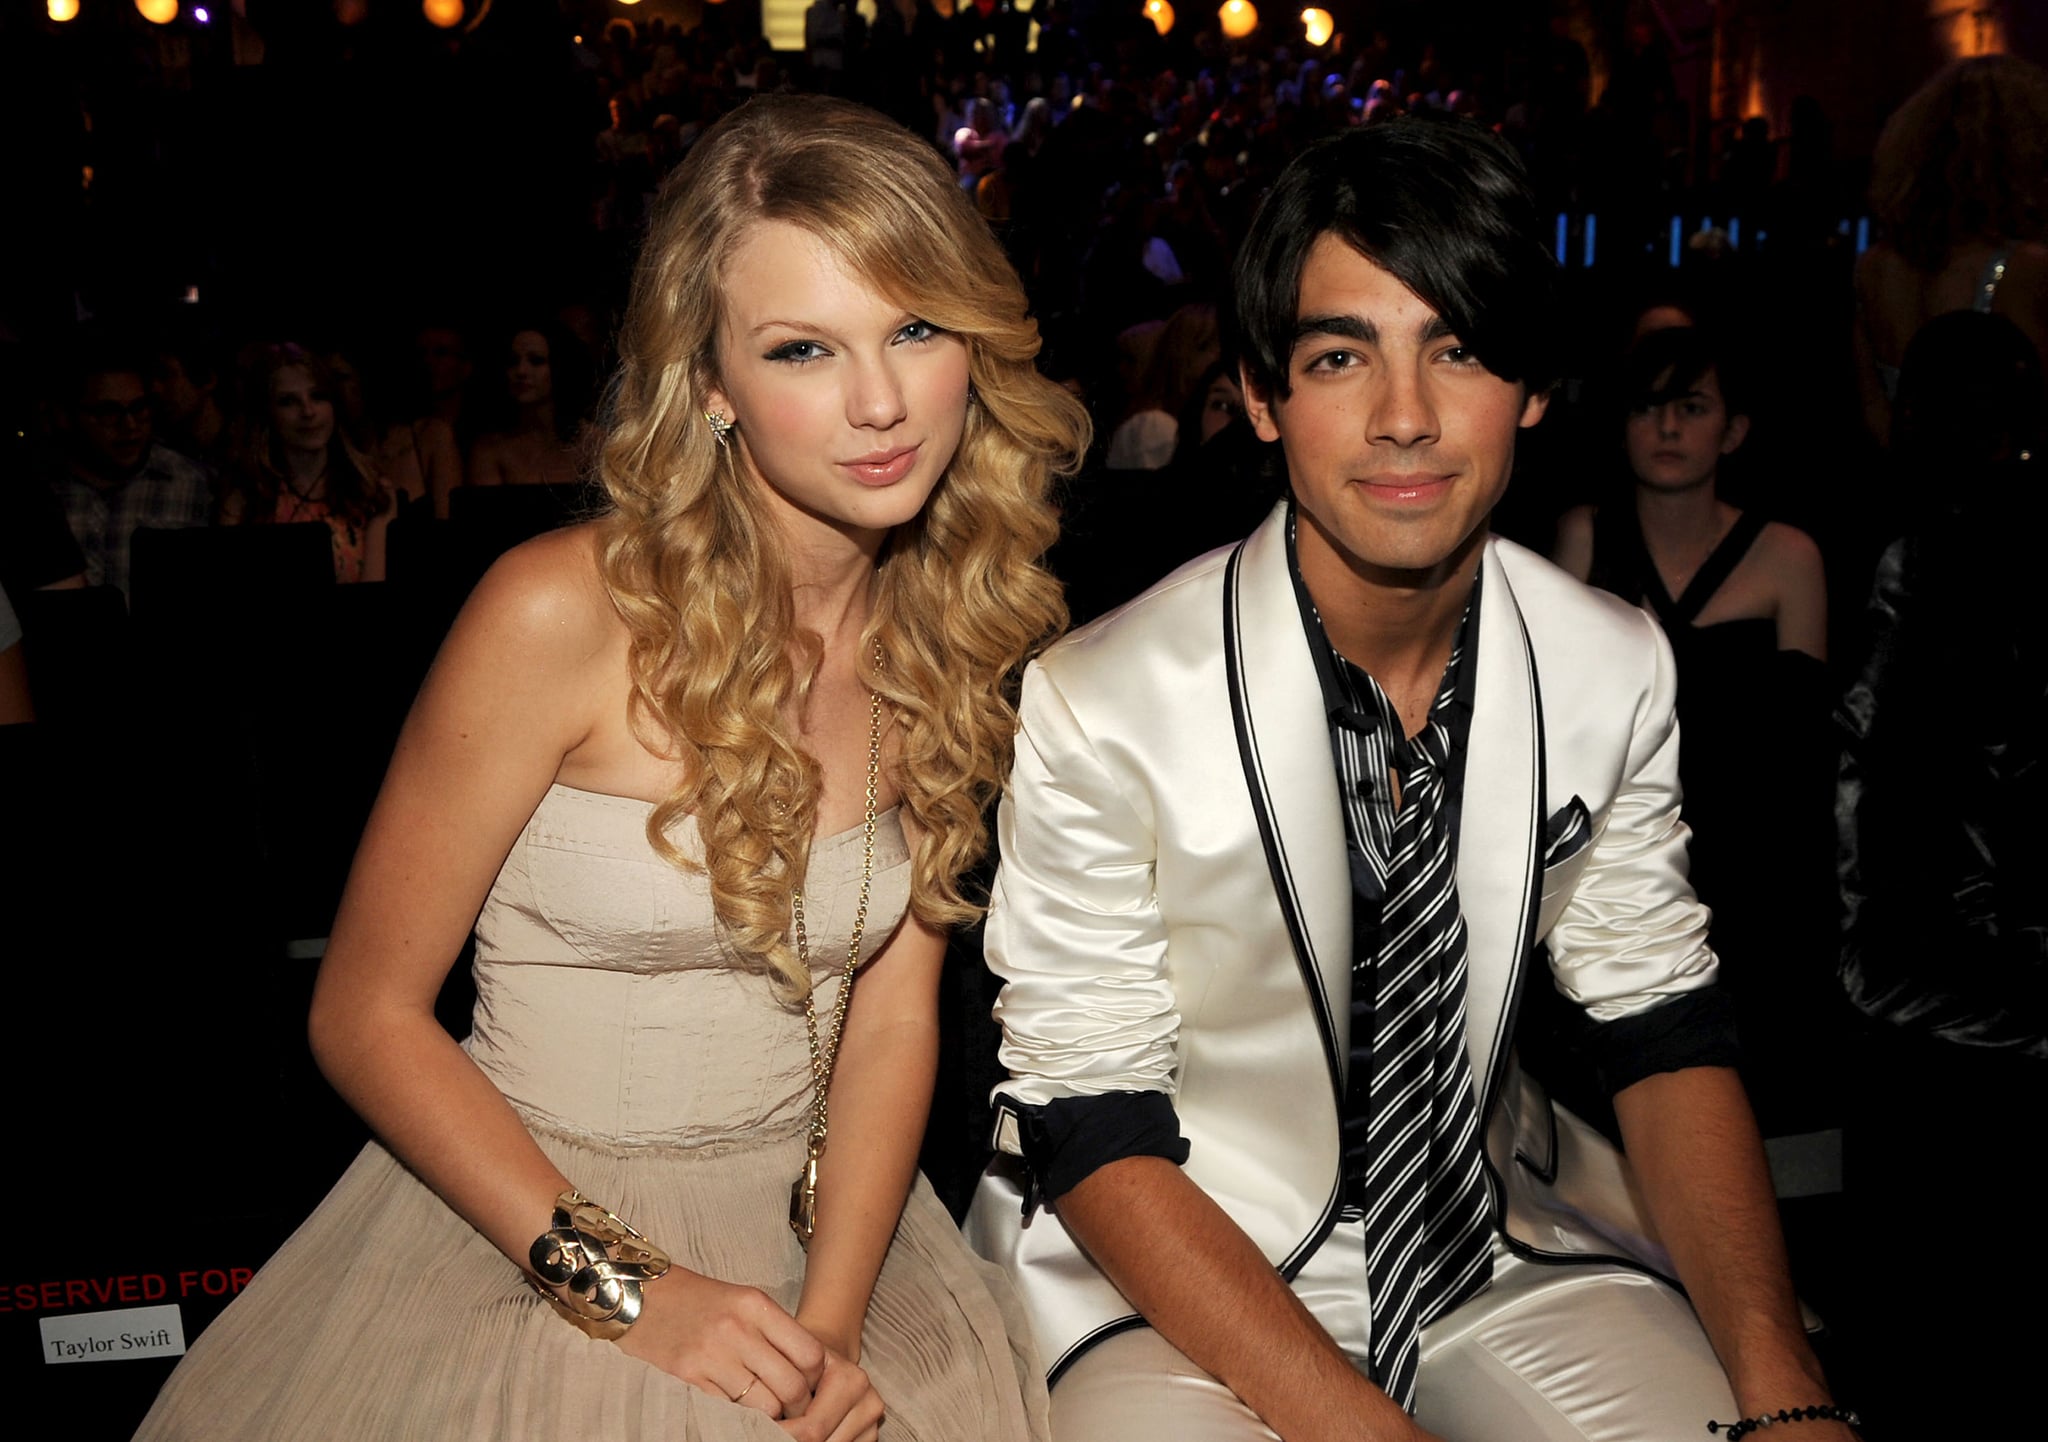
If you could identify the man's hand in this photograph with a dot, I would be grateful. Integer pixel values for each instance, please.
(1693, 1144)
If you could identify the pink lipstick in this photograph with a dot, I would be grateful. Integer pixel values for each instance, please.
(883, 468)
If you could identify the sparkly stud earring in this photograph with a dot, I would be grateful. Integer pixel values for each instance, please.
(721, 426)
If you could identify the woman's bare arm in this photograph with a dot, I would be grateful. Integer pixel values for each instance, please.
(515, 690)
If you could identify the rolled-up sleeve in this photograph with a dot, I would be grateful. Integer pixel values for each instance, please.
(1633, 936)
(1076, 937)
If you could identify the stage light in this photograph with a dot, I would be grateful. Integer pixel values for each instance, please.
(1160, 14)
(1237, 18)
(62, 10)
(202, 16)
(158, 12)
(1317, 27)
(445, 14)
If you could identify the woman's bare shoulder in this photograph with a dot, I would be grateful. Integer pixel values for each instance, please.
(547, 597)
(1782, 544)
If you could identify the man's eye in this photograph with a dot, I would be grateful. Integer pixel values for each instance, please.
(1334, 360)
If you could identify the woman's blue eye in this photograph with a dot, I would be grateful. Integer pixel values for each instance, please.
(918, 330)
(798, 351)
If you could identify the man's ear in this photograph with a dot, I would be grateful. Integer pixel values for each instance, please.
(1258, 405)
(1736, 432)
(1533, 407)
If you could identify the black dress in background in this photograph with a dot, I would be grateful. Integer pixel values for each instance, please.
(1756, 760)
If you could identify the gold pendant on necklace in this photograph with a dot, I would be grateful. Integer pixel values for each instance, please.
(803, 1201)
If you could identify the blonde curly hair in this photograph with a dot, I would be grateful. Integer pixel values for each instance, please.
(691, 555)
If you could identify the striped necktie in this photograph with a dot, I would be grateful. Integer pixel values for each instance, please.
(1413, 1149)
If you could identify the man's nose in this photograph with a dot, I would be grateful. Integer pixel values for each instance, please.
(1404, 414)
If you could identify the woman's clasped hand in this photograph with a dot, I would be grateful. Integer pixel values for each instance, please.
(735, 1342)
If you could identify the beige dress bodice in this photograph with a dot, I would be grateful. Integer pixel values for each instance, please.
(607, 1002)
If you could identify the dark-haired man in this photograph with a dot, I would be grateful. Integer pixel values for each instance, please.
(115, 479)
(1287, 840)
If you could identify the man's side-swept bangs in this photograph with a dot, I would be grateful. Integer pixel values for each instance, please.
(1443, 207)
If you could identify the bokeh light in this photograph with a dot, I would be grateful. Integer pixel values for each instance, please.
(1317, 27)
(1237, 18)
(447, 14)
(62, 10)
(158, 12)
(1160, 14)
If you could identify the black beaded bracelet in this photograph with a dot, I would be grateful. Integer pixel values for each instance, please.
(1823, 1412)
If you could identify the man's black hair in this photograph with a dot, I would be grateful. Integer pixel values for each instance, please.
(1442, 206)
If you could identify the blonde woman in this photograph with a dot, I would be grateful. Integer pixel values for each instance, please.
(294, 463)
(679, 766)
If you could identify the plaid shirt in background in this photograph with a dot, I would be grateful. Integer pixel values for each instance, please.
(169, 492)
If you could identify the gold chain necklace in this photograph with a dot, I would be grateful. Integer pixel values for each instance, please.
(803, 1193)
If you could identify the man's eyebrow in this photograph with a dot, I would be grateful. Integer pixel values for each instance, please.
(1438, 329)
(1350, 327)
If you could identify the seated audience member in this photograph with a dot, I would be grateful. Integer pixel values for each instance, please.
(541, 435)
(184, 381)
(293, 463)
(1178, 353)
(1287, 840)
(442, 424)
(113, 478)
(1959, 184)
(393, 447)
(1945, 948)
(1743, 600)
(979, 143)
(1215, 402)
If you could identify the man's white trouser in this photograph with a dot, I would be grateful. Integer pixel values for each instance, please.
(1546, 1354)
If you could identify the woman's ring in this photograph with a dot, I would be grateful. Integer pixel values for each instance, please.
(746, 1389)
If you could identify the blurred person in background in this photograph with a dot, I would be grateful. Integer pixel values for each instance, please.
(294, 463)
(112, 478)
(541, 437)
(1959, 183)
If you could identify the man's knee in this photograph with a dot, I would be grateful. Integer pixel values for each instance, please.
(1561, 1354)
(1137, 1387)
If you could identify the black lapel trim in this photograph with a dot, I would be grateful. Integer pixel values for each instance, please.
(1532, 892)
(1283, 890)
(1504, 1044)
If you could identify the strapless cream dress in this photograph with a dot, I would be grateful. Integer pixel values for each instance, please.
(665, 1082)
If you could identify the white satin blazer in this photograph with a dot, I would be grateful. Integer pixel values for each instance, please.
(1173, 910)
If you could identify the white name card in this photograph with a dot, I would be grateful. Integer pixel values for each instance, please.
(114, 1336)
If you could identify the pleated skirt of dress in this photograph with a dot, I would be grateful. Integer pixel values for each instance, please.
(386, 1316)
